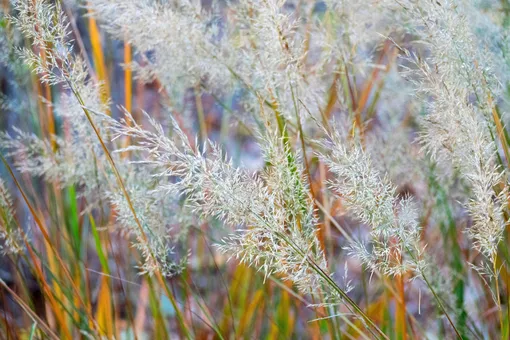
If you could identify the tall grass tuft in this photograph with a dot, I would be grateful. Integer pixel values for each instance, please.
(254, 169)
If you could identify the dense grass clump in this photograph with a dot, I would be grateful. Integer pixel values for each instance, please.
(254, 169)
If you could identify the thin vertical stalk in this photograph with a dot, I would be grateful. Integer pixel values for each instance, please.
(200, 114)
(401, 309)
(128, 84)
(498, 296)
